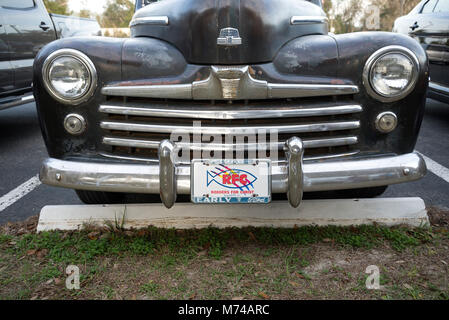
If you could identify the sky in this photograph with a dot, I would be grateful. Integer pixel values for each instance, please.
(93, 5)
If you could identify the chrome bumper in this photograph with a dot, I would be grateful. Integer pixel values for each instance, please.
(292, 176)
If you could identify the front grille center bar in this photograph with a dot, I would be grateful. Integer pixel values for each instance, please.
(294, 148)
(230, 83)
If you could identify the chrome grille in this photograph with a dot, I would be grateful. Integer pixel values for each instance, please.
(133, 128)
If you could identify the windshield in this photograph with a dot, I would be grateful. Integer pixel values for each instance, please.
(416, 9)
(143, 3)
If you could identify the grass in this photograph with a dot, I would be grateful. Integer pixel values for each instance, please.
(222, 263)
(82, 247)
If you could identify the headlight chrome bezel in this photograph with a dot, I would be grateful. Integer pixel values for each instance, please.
(83, 59)
(376, 56)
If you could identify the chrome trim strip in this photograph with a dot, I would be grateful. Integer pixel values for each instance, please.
(318, 176)
(228, 113)
(299, 20)
(23, 63)
(435, 56)
(295, 155)
(128, 158)
(331, 156)
(154, 144)
(173, 91)
(298, 128)
(28, 98)
(438, 87)
(155, 21)
(230, 83)
(308, 90)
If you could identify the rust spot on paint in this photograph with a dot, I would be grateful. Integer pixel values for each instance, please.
(337, 81)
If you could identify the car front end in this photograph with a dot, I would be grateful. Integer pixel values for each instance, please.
(255, 84)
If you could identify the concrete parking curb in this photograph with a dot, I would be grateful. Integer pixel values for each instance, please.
(388, 211)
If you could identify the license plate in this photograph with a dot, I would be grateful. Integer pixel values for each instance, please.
(221, 181)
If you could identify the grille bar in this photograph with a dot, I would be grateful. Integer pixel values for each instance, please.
(240, 130)
(155, 160)
(136, 109)
(154, 144)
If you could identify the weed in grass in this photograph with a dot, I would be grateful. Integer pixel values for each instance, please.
(443, 295)
(118, 224)
(291, 261)
(304, 275)
(141, 246)
(150, 288)
(268, 252)
(47, 273)
(23, 294)
(400, 238)
(413, 272)
(109, 292)
(4, 238)
(216, 251)
(413, 292)
(168, 260)
(384, 279)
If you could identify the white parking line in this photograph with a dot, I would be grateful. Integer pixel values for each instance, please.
(19, 192)
(436, 168)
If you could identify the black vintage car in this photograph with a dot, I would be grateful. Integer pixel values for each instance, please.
(176, 109)
(428, 23)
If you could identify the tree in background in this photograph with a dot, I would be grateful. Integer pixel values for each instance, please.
(85, 13)
(391, 10)
(327, 6)
(407, 5)
(343, 14)
(58, 6)
(352, 15)
(117, 14)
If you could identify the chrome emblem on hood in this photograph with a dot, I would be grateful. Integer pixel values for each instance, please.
(229, 37)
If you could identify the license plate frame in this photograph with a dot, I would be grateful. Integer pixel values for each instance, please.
(255, 191)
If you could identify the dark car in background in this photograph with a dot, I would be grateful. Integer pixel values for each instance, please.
(428, 23)
(26, 27)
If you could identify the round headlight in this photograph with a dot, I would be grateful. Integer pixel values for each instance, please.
(69, 76)
(391, 73)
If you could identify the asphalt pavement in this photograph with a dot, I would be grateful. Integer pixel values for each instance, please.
(22, 151)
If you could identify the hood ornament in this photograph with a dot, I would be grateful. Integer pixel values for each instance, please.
(229, 37)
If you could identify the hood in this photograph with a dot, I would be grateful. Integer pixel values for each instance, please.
(228, 31)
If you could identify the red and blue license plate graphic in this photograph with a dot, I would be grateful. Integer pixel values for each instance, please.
(219, 181)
